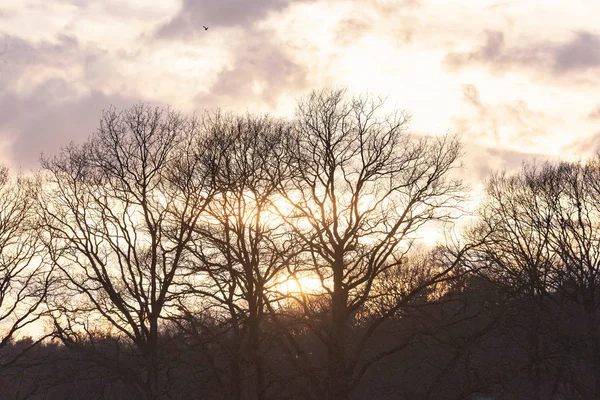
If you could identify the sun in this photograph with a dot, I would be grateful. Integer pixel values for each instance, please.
(301, 285)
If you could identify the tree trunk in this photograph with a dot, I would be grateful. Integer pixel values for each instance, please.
(338, 385)
(535, 347)
(254, 352)
(151, 362)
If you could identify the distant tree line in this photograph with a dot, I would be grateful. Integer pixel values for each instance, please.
(227, 256)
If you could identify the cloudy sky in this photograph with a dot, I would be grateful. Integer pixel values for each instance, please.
(516, 79)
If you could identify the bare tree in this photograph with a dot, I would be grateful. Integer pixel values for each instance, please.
(241, 245)
(575, 239)
(542, 226)
(516, 217)
(361, 189)
(119, 212)
(576, 235)
(24, 278)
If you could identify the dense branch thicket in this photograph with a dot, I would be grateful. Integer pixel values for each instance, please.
(543, 249)
(246, 257)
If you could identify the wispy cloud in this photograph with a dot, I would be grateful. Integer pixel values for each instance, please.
(585, 147)
(481, 161)
(580, 52)
(512, 124)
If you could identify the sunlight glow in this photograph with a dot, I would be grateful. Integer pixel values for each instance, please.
(300, 285)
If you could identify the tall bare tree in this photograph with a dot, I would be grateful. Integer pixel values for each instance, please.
(361, 189)
(241, 245)
(24, 278)
(119, 212)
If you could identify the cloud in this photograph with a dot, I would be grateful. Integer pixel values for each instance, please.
(503, 124)
(51, 93)
(496, 54)
(217, 14)
(50, 117)
(396, 19)
(481, 161)
(390, 6)
(262, 65)
(261, 71)
(351, 29)
(581, 52)
(585, 147)
(595, 113)
(14, 51)
(471, 95)
(92, 10)
(24, 64)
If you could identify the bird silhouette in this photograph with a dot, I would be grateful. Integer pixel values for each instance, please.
(205, 27)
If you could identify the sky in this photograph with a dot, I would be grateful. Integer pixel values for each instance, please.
(517, 80)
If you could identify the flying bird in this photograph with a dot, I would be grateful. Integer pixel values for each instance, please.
(205, 27)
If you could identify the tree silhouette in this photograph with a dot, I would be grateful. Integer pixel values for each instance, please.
(360, 189)
(542, 231)
(240, 248)
(24, 278)
(120, 211)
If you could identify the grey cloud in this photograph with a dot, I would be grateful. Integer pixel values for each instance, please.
(18, 56)
(112, 9)
(482, 161)
(218, 13)
(50, 117)
(44, 116)
(41, 116)
(495, 53)
(14, 50)
(259, 59)
(581, 52)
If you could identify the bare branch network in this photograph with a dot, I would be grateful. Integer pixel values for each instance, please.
(248, 257)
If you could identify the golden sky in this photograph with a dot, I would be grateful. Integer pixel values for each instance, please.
(516, 79)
